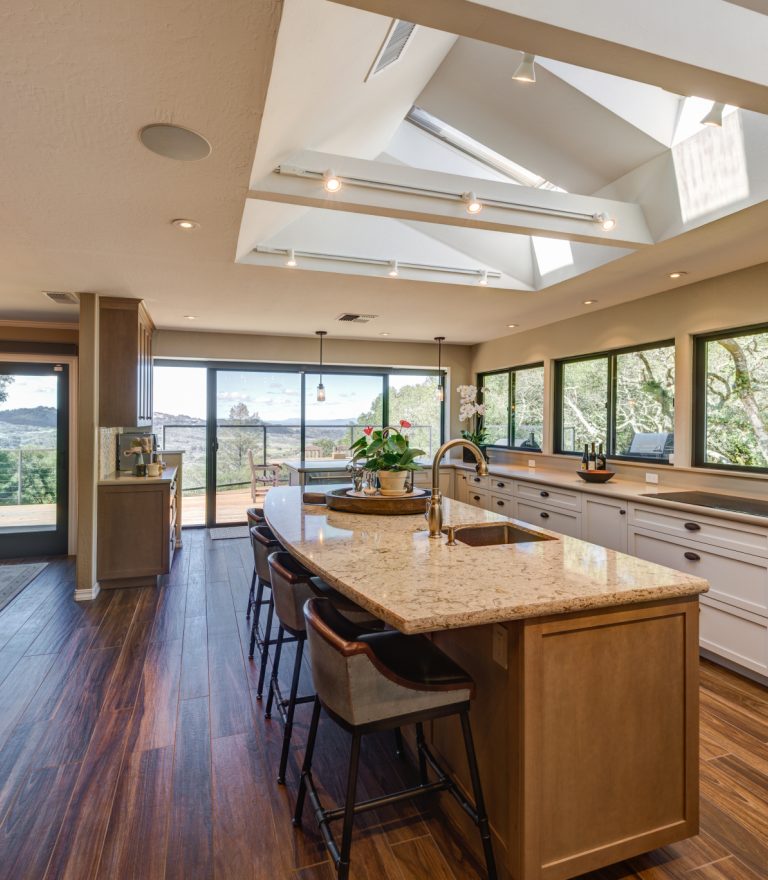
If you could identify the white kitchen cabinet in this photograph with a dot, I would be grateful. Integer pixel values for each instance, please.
(736, 635)
(503, 504)
(479, 498)
(562, 521)
(604, 522)
(550, 496)
(423, 480)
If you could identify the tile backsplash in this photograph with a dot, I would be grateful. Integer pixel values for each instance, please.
(107, 450)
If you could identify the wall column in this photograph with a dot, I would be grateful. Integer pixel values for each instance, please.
(86, 585)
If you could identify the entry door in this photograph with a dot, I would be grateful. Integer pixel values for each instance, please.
(34, 427)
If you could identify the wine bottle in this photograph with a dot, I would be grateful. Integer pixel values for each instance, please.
(585, 458)
(592, 458)
(602, 464)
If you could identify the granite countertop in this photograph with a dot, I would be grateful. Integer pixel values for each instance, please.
(127, 478)
(620, 488)
(390, 566)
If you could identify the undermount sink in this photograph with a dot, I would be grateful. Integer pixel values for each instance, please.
(491, 534)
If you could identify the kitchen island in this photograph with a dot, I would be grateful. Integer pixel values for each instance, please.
(586, 666)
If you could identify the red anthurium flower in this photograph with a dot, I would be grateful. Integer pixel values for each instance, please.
(404, 424)
(368, 431)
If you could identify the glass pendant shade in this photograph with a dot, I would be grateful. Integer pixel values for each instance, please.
(321, 392)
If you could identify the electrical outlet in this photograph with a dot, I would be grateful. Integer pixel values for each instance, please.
(651, 478)
(531, 462)
(500, 645)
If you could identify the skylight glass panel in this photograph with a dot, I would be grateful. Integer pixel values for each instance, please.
(459, 140)
(551, 253)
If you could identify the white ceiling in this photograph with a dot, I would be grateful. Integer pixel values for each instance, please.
(85, 207)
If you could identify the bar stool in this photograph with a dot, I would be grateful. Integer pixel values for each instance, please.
(378, 681)
(255, 517)
(292, 586)
(264, 542)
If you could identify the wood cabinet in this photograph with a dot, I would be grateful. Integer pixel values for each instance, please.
(125, 363)
(137, 532)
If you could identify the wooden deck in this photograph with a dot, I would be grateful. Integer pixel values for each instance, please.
(132, 747)
(15, 516)
(230, 507)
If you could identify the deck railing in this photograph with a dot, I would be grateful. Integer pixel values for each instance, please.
(27, 476)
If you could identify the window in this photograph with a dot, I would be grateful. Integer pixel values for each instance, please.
(514, 407)
(623, 399)
(731, 394)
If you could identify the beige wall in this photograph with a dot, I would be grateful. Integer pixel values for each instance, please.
(733, 300)
(304, 350)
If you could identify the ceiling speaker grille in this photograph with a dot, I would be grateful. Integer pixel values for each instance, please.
(398, 36)
(61, 297)
(353, 318)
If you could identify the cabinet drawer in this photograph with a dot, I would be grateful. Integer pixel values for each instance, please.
(734, 578)
(556, 520)
(478, 497)
(723, 533)
(548, 495)
(734, 634)
(476, 482)
(501, 487)
(503, 504)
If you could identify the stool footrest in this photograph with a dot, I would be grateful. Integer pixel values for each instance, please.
(280, 701)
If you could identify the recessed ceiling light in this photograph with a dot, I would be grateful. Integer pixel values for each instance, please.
(526, 72)
(191, 317)
(589, 302)
(677, 274)
(383, 334)
(185, 224)
(174, 142)
(511, 326)
(331, 182)
(472, 203)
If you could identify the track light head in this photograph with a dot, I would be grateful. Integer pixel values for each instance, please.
(483, 281)
(715, 116)
(607, 224)
(472, 203)
(291, 261)
(331, 182)
(526, 70)
(393, 269)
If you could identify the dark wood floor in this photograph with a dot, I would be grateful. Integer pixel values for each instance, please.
(131, 746)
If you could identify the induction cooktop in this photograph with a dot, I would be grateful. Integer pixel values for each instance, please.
(734, 503)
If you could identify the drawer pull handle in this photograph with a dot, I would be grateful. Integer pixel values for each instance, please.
(693, 527)
(694, 557)
(476, 497)
(476, 479)
(500, 485)
(622, 513)
(544, 514)
(544, 494)
(500, 503)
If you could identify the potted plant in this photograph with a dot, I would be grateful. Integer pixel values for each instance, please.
(388, 452)
(471, 411)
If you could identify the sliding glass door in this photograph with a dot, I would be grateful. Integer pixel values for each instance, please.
(34, 431)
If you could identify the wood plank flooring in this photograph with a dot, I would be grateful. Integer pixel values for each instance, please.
(132, 746)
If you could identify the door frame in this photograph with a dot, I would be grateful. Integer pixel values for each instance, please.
(72, 363)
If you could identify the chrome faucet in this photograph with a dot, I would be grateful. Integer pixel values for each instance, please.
(434, 512)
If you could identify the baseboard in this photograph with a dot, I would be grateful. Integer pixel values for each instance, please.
(734, 667)
(87, 594)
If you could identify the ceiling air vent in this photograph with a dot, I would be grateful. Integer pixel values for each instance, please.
(398, 36)
(62, 297)
(352, 318)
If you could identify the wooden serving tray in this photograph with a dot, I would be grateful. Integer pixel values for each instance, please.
(380, 505)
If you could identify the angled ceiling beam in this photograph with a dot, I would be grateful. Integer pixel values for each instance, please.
(406, 193)
(679, 47)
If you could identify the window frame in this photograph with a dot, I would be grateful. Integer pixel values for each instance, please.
(611, 356)
(699, 415)
(511, 371)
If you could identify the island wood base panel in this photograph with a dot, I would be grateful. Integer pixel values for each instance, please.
(587, 742)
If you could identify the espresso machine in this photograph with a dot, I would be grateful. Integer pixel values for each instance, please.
(135, 450)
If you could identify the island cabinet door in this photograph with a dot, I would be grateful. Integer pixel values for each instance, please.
(604, 522)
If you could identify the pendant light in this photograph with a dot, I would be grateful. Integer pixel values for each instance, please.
(320, 386)
(715, 115)
(440, 389)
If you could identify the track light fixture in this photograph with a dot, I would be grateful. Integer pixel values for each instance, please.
(331, 182)
(607, 223)
(715, 116)
(394, 269)
(320, 386)
(291, 261)
(440, 386)
(526, 70)
(483, 282)
(472, 203)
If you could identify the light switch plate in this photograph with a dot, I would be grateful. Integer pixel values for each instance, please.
(651, 478)
(500, 645)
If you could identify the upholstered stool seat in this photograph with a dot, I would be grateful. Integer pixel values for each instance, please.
(379, 681)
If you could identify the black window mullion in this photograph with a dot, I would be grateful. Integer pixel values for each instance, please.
(385, 400)
(511, 407)
(611, 406)
(303, 415)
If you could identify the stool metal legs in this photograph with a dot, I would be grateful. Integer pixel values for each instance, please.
(264, 647)
(254, 577)
(349, 808)
(477, 793)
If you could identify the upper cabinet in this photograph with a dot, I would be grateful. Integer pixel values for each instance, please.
(125, 363)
